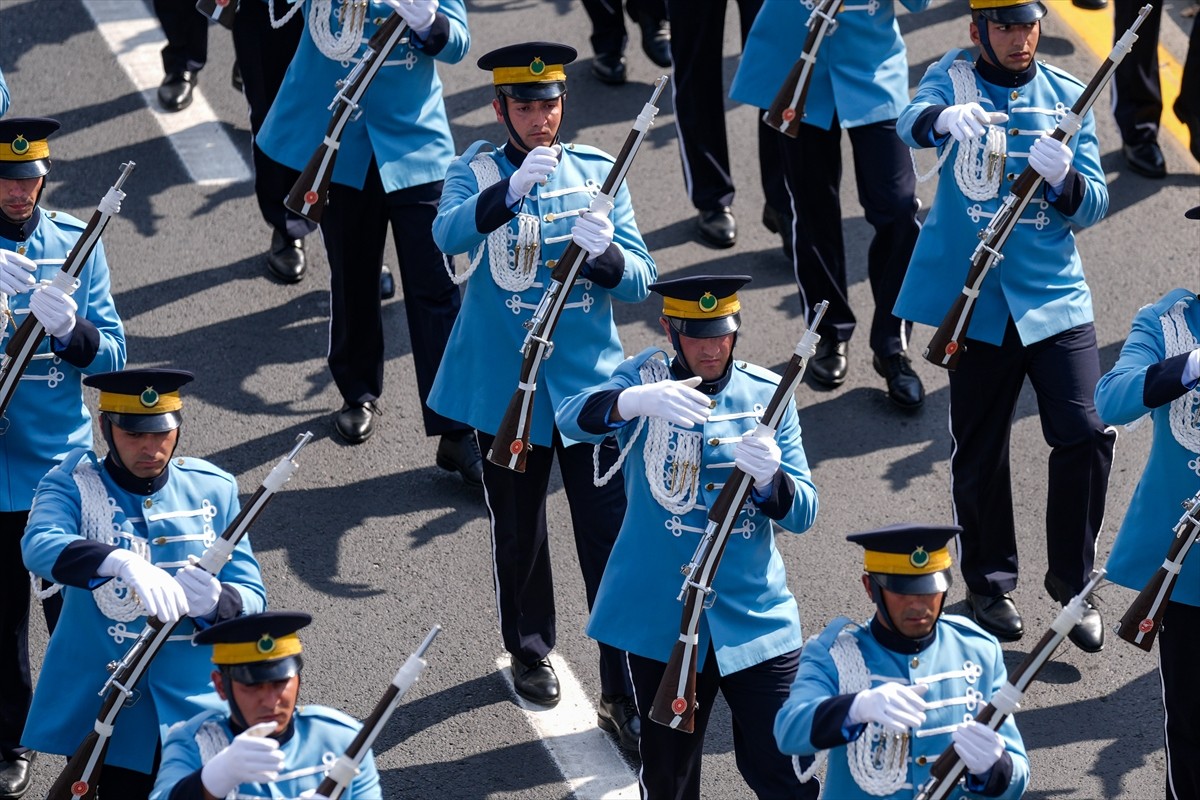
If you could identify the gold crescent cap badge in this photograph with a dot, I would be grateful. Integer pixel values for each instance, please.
(20, 145)
(149, 398)
(919, 558)
(537, 66)
(266, 644)
(707, 303)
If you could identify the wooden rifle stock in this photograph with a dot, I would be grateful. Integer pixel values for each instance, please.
(311, 190)
(675, 701)
(511, 446)
(1143, 619)
(221, 11)
(345, 768)
(787, 110)
(25, 341)
(79, 778)
(949, 767)
(946, 345)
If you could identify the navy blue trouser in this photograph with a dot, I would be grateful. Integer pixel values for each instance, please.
(1178, 655)
(186, 30)
(608, 21)
(1063, 371)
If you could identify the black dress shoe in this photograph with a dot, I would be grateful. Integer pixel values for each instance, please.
(1145, 159)
(356, 421)
(235, 78)
(1192, 120)
(829, 365)
(387, 284)
(16, 775)
(286, 259)
(1088, 635)
(535, 682)
(460, 452)
(779, 222)
(904, 387)
(175, 93)
(609, 68)
(618, 714)
(656, 40)
(997, 615)
(718, 227)
(1090, 5)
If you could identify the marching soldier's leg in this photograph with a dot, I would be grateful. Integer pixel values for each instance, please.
(185, 53)
(1178, 654)
(1136, 91)
(15, 684)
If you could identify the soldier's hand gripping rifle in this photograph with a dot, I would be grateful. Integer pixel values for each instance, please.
(25, 342)
(1143, 620)
(511, 446)
(946, 345)
(221, 11)
(675, 702)
(949, 767)
(342, 773)
(78, 779)
(311, 190)
(787, 110)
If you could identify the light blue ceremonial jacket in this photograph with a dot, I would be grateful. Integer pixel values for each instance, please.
(1040, 281)
(963, 667)
(482, 363)
(195, 506)
(754, 616)
(320, 736)
(403, 124)
(3, 95)
(861, 72)
(1172, 473)
(47, 417)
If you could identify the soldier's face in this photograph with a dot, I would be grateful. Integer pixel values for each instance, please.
(17, 197)
(1014, 45)
(913, 615)
(708, 358)
(144, 454)
(272, 701)
(537, 121)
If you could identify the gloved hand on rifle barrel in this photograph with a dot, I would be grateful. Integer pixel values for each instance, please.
(1051, 159)
(16, 273)
(967, 121)
(978, 746)
(56, 310)
(418, 14)
(759, 457)
(536, 168)
(202, 590)
(677, 402)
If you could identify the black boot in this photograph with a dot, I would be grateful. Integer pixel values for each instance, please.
(904, 388)
(459, 452)
(618, 714)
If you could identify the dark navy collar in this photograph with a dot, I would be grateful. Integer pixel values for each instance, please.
(681, 371)
(20, 231)
(132, 483)
(898, 643)
(514, 154)
(999, 76)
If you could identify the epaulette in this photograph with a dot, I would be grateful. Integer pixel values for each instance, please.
(647, 354)
(834, 629)
(1061, 73)
(189, 464)
(947, 60)
(1169, 300)
(63, 219)
(477, 148)
(755, 371)
(330, 715)
(588, 150)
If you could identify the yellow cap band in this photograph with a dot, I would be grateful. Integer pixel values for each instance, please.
(536, 72)
(21, 149)
(267, 648)
(707, 307)
(916, 563)
(148, 402)
(978, 4)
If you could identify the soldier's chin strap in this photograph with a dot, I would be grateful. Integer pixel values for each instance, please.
(516, 137)
(981, 23)
(121, 474)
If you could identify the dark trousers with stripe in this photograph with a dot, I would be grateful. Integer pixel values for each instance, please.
(186, 30)
(516, 504)
(1178, 655)
(354, 228)
(697, 37)
(1136, 91)
(608, 21)
(887, 188)
(671, 759)
(1063, 371)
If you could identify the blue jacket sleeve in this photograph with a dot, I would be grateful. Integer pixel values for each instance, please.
(1120, 393)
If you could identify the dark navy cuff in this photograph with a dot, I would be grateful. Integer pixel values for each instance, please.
(594, 416)
(995, 781)
(190, 788)
(922, 129)
(229, 606)
(78, 563)
(1164, 381)
(1070, 197)
(491, 212)
(83, 345)
(436, 39)
(829, 726)
(606, 271)
(779, 502)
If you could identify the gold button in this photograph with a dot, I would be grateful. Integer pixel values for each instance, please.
(571, 146)
(1012, 176)
(710, 486)
(712, 403)
(160, 540)
(53, 214)
(549, 218)
(1012, 131)
(148, 502)
(916, 662)
(551, 263)
(21, 250)
(179, 462)
(714, 441)
(921, 761)
(1014, 94)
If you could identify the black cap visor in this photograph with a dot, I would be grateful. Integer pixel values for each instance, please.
(146, 423)
(1015, 15)
(929, 583)
(706, 328)
(533, 91)
(23, 170)
(264, 671)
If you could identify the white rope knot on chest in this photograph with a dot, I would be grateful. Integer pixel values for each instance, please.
(1184, 414)
(352, 15)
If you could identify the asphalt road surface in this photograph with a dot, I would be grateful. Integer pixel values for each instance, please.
(379, 544)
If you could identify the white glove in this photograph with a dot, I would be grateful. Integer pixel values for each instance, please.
(758, 457)
(593, 233)
(160, 594)
(1051, 159)
(893, 705)
(537, 166)
(55, 309)
(978, 746)
(418, 14)
(677, 402)
(203, 591)
(16, 273)
(967, 121)
(1191, 370)
(252, 757)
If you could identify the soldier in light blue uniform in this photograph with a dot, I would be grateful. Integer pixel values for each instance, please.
(1033, 315)
(3, 95)
(1157, 375)
(46, 417)
(263, 744)
(389, 170)
(887, 697)
(514, 208)
(860, 83)
(118, 536)
(692, 417)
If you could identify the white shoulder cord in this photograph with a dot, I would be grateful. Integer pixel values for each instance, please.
(343, 45)
(979, 163)
(512, 270)
(1185, 410)
(279, 23)
(878, 759)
